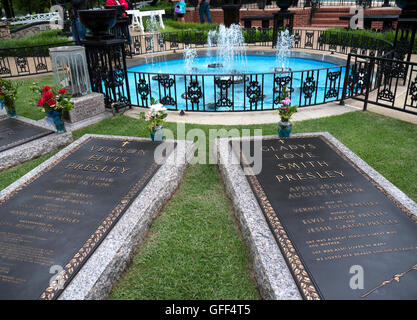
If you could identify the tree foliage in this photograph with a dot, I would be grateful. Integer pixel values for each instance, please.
(9, 8)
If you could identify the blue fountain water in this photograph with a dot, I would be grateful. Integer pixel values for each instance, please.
(252, 64)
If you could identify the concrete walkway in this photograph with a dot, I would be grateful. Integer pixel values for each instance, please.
(250, 117)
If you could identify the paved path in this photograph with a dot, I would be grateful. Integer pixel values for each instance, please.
(250, 117)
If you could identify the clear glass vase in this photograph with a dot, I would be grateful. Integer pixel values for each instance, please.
(56, 118)
(157, 133)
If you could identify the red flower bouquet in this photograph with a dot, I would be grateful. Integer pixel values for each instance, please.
(53, 101)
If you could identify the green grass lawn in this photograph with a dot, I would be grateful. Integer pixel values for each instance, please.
(194, 249)
(24, 106)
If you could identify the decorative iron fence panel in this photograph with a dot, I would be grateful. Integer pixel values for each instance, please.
(252, 91)
(26, 61)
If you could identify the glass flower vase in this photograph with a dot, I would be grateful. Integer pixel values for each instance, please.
(56, 118)
(11, 110)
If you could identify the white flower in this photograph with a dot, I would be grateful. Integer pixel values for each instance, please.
(158, 107)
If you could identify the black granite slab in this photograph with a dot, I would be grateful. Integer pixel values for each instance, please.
(14, 133)
(328, 217)
(59, 217)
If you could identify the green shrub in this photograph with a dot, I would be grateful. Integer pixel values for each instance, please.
(25, 46)
(387, 36)
(40, 38)
(161, 5)
(199, 36)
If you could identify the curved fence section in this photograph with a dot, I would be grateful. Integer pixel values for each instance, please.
(30, 18)
(320, 40)
(270, 4)
(25, 61)
(32, 60)
(236, 92)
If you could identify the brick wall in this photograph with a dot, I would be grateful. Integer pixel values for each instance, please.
(301, 18)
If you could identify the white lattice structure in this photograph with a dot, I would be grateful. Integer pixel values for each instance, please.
(39, 17)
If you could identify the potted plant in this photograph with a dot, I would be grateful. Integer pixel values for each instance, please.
(54, 101)
(8, 94)
(406, 4)
(155, 119)
(284, 4)
(285, 111)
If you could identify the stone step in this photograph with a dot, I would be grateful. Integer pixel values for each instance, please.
(329, 15)
(326, 26)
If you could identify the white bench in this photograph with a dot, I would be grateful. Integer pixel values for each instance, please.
(137, 21)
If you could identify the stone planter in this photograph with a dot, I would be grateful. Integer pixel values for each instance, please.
(284, 128)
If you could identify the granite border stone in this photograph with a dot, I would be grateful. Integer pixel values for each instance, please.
(272, 274)
(41, 146)
(34, 148)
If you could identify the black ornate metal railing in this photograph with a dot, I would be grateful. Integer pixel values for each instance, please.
(270, 4)
(25, 61)
(385, 82)
(367, 73)
(251, 91)
(321, 40)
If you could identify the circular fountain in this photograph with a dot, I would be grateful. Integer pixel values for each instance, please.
(98, 21)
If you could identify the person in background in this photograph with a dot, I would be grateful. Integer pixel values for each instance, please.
(78, 30)
(117, 3)
(180, 10)
(129, 5)
(204, 10)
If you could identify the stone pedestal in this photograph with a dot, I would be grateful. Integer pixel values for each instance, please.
(86, 107)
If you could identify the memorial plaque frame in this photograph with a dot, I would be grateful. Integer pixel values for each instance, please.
(115, 245)
(273, 271)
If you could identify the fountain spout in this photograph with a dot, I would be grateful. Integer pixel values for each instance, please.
(189, 55)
